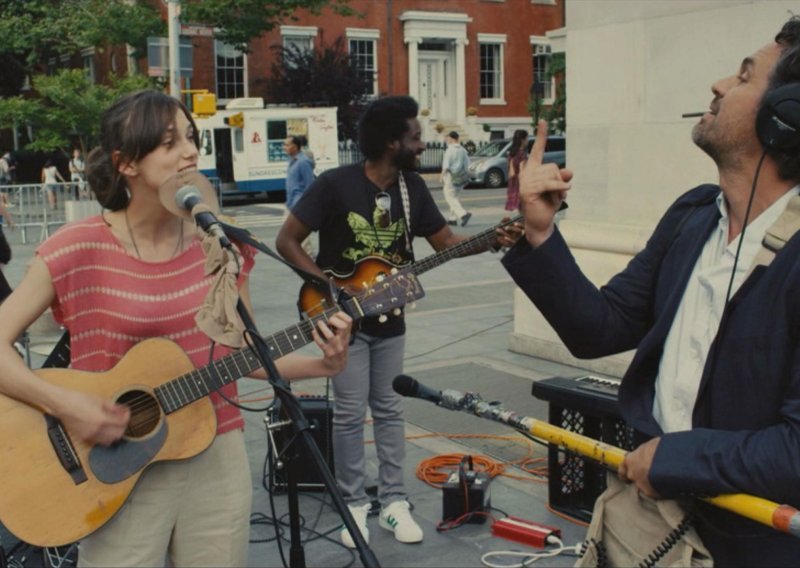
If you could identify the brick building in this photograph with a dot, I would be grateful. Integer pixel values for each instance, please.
(456, 57)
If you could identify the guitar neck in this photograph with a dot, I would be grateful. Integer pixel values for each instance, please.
(476, 241)
(193, 386)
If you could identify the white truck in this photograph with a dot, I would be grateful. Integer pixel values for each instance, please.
(241, 147)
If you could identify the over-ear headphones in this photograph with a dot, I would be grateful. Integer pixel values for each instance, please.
(778, 120)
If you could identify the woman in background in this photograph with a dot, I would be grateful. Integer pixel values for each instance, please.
(517, 155)
(50, 177)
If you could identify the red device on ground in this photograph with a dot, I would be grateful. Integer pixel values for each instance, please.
(524, 531)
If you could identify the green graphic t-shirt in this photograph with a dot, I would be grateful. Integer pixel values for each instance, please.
(356, 221)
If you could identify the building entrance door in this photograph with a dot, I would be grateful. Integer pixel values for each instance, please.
(436, 81)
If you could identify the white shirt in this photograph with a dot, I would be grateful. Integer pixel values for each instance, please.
(700, 311)
(455, 158)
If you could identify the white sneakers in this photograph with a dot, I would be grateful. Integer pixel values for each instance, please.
(396, 517)
(360, 516)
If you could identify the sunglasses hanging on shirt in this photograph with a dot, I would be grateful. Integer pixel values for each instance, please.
(383, 205)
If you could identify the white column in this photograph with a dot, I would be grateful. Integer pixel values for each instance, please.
(174, 31)
(461, 81)
(413, 68)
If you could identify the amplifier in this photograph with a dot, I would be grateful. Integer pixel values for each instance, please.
(282, 444)
(586, 405)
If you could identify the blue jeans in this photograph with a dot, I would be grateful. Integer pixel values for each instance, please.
(372, 365)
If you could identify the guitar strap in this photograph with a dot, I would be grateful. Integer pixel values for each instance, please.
(407, 211)
(778, 234)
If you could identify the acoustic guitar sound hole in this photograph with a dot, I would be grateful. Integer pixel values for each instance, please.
(145, 413)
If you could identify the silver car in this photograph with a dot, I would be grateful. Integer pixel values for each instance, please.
(489, 165)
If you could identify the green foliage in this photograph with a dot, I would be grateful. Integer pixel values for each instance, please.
(35, 32)
(68, 109)
(556, 113)
(240, 21)
(325, 76)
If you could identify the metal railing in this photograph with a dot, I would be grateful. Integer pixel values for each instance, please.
(430, 160)
(36, 207)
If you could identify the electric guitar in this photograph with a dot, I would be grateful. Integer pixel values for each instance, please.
(372, 269)
(55, 489)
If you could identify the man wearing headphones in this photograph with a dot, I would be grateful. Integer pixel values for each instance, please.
(714, 386)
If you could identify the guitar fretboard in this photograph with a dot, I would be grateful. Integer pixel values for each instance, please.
(188, 388)
(471, 244)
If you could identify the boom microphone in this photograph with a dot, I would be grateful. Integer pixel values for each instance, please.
(189, 198)
(406, 386)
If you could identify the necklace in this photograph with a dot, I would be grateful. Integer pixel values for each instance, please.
(178, 242)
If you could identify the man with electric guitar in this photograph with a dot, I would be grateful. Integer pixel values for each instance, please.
(128, 285)
(367, 215)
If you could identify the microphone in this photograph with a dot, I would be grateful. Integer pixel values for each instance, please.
(406, 386)
(189, 198)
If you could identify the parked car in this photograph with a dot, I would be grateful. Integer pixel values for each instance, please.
(489, 165)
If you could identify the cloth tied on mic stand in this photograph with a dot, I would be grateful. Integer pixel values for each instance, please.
(218, 317)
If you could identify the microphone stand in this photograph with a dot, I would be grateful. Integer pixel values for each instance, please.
(303, 432)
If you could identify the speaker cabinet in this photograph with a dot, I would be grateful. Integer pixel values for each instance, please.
(283, 443)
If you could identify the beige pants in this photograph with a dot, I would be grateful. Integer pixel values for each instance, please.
(194, 512)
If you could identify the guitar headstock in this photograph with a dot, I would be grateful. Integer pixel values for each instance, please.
(393, 291)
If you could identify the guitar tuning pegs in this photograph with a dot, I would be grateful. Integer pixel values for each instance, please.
(393, 271)
(382, 318)
(396, 311)
(380, 278)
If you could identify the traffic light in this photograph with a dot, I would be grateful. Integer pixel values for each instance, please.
(204, 104)
(235, 120)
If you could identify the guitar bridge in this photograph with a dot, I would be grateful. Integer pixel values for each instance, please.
(64, 450)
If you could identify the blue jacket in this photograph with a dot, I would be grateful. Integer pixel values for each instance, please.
(746, 420)
(299, 175)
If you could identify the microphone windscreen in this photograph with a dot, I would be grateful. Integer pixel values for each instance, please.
(405, 385)
(187, 196)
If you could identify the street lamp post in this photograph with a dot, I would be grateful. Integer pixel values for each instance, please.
(174, 30)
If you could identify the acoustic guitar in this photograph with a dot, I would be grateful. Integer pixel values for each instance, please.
(55, 489)
(370, 270)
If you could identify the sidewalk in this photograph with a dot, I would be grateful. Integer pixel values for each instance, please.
(457, 339)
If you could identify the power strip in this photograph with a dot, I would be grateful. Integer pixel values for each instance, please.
(524, 531)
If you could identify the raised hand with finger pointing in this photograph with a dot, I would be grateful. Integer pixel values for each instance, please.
(543, 190)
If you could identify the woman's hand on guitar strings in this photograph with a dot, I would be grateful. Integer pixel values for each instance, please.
(92, 419)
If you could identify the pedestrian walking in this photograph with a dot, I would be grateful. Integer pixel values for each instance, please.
(455, 176)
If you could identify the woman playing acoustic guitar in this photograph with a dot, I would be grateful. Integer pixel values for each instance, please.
(115, 280)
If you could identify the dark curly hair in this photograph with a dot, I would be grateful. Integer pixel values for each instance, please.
(384, 120)
(130, 128)
(787, 70)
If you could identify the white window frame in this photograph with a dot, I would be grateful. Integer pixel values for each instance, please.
(302, 36)
(500, 41)
(162, 43)
(366, 35)
(87, 61)
(217, 44)
(543, 45)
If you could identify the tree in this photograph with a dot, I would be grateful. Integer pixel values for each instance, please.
(239, 21)
(35, 32)
(325, 76)
(67, 111)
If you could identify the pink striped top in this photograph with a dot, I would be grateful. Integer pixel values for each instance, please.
(110, 300)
